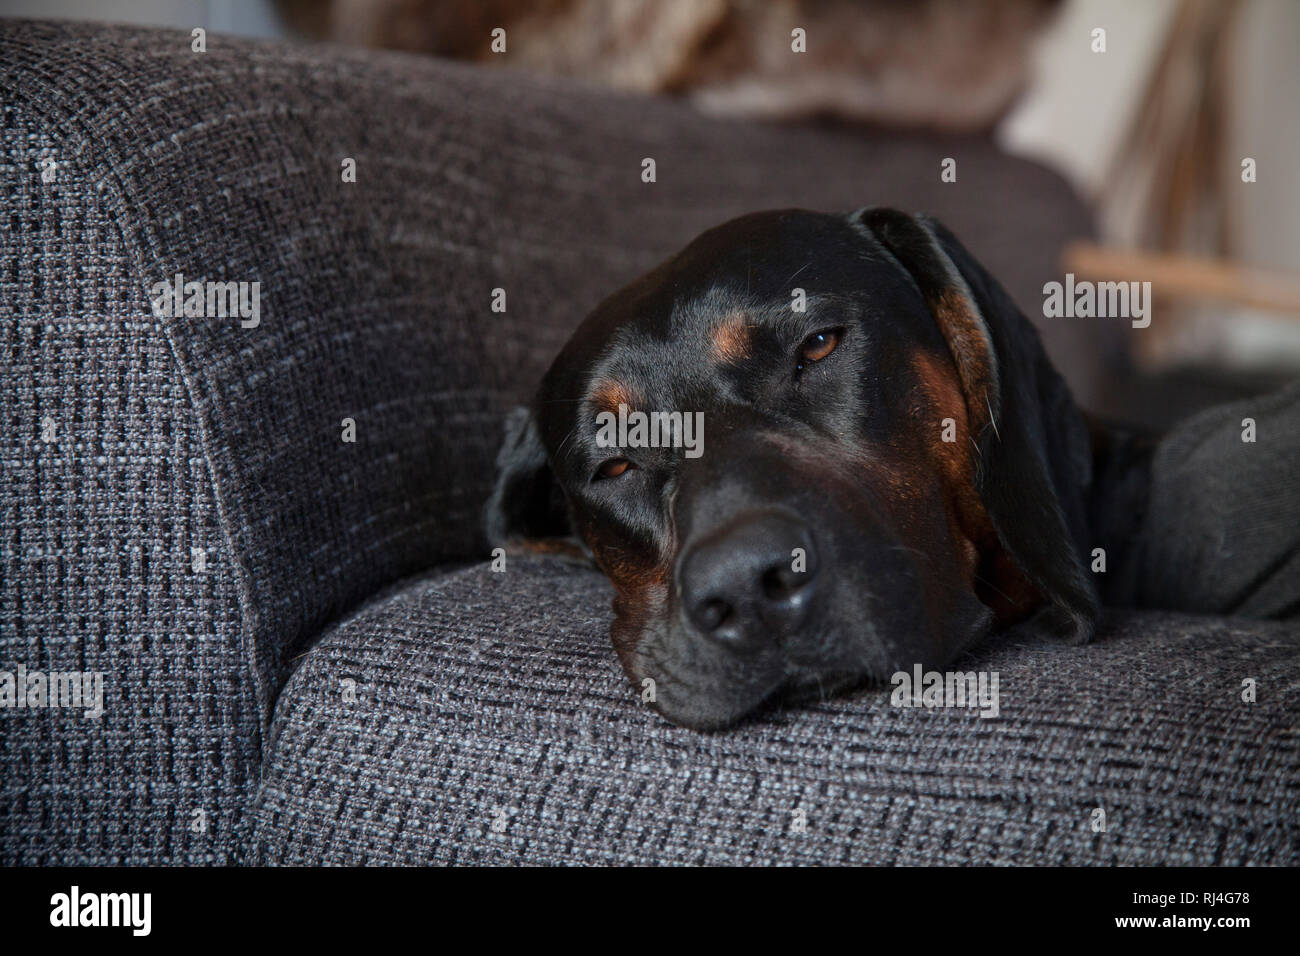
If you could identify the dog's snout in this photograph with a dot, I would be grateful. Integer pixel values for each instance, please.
(751, 582)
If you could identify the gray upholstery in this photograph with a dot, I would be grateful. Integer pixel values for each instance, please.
(481, 691)
(174, 434)
(1217, 496)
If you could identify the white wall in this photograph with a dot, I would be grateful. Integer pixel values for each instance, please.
(1268, 128)
(1082, 102)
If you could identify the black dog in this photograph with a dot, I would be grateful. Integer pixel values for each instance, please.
(891, 468)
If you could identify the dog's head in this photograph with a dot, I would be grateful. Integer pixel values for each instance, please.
(888, 468)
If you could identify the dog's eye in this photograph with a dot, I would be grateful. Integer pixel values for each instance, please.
(817, 346)
(612, 468)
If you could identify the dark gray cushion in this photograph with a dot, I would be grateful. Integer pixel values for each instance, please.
(481, 696)
(173, 434)
(1221, 534)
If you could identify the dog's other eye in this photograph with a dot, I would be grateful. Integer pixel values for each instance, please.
(817, 346)
(612, 468)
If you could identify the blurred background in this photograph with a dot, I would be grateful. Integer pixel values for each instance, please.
(1179, 121)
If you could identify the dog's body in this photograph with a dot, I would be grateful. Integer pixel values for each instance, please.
(891, 469)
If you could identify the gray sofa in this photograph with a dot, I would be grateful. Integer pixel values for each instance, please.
(338, 676)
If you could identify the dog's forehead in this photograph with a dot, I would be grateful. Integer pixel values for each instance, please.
(651, 362)
(662, 339)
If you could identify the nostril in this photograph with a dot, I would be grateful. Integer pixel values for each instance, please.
(712, 613)
(780, 583)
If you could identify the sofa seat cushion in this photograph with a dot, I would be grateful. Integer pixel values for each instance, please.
(481, 717)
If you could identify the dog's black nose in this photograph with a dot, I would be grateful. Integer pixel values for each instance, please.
(751, 581)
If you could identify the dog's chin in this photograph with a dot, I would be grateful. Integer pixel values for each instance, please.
(718, 704)
(819, 688)
(710, 690)
(719, 711)
(713, 709)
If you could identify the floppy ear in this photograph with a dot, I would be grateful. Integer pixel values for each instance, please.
(1033, 456)
(527, 505)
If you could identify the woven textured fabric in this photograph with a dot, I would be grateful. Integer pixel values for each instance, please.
(451, 704)
(171, 434)
(105, 492)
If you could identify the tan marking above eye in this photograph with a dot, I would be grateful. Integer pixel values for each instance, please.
(819, 345)
(609, 395)
(731, 340)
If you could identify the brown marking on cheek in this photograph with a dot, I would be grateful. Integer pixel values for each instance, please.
(968, 342)
(943, 414)
(731, 340)
(563, 547)
(631, 578)
(640, 598)
(641, 581)
(609, 394)
(988, 568)
(944, 408)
